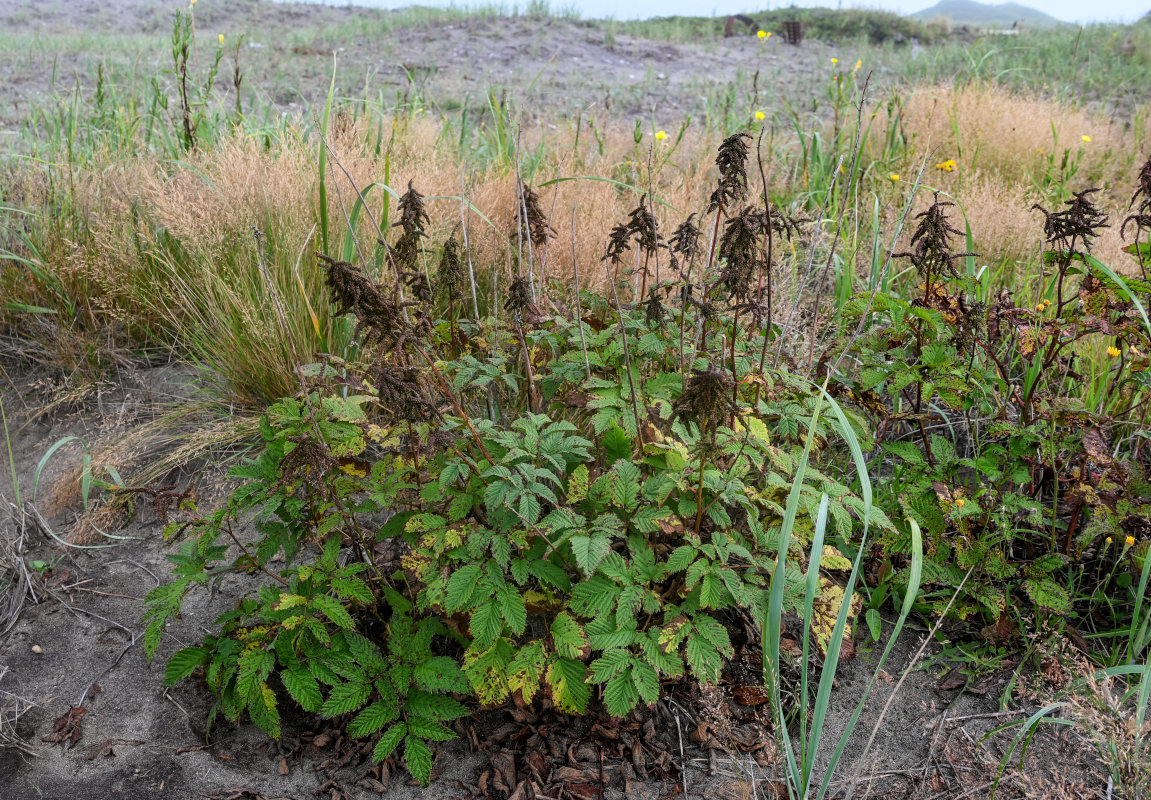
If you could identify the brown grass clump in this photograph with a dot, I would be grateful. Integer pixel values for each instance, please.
(987, 128)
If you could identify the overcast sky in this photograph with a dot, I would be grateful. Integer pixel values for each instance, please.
(1068, 10)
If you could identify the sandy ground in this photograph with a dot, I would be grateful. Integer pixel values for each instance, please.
(140, 741)
(548, 65)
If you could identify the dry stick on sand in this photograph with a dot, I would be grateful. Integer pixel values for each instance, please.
(858, 770)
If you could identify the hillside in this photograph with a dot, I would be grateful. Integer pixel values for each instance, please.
(984, 15)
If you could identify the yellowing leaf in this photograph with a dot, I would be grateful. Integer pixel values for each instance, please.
(825, 611)
(833, 559)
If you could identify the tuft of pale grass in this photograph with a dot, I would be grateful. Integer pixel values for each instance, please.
(990, 129)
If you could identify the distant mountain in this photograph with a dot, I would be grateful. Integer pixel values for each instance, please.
(985, 15)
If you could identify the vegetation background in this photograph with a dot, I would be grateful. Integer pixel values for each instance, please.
(954, 404)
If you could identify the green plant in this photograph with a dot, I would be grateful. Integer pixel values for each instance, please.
(1011, 484)
(576, 501)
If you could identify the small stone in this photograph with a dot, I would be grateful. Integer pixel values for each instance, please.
(37, 649)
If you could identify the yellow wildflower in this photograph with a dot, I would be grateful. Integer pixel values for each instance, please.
(759, 115)
(1108, 540)
(947, 166)
(1040, 307)
(1113, 351)
(960, 503)
(763, 34)
(835, 61)
(221, 40)
(660, 135)
(1085, 138)
(894, 176)
(858, 64)
(1129, 541)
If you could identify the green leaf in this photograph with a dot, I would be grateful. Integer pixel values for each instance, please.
(487, 623)
(333, 610)
(440, 674)
(389, 741)
(703, 659)
(461, 587)
(418, 759)
(874, 624)
(568, 637)
(621, 695)
(512, 607)
(616, 445)
(427, 729)
(372, 719)
(568, 681)
(345, 698)
(255, 665)
(183, 663)
(589, 551)
(625, 492)
(434, 706)
(302, 687)
(352, 589)
(646, 681)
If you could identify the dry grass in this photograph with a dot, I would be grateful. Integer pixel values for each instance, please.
(1010, 135)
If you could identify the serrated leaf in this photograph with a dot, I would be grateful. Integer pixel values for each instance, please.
(486, 623)
(254, 667)
(461, 587)
(625, 492)
(568, 637)
(577, 484)
(345, 698)
(616, 445)
(440, 674)
(434, 706)
(646, 681)
(389, 741)
(567, 679)
(352, 589)
(418, 759)
(302, 687)
(512, 607)
(427, 729)
(703, 659)
(183, 663)
(620, 695)
(372, 719)
(589, 551)
(333, 610)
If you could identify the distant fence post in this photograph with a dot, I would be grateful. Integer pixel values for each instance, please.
(793, 31)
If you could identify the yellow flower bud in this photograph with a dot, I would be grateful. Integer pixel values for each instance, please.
(1129, 541)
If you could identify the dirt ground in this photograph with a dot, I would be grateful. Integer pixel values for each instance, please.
(77, 644)
(548, 64)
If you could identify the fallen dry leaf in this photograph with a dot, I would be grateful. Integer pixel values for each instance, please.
(68, 726)
(750, 695)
